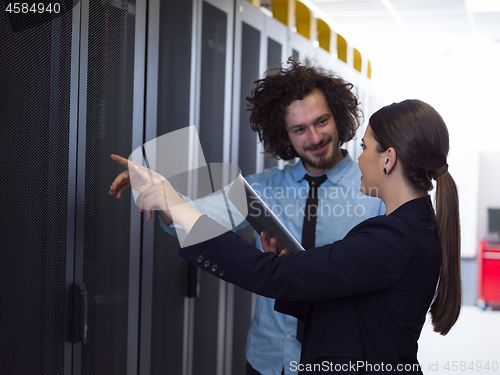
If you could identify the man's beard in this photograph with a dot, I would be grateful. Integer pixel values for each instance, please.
(326, 162)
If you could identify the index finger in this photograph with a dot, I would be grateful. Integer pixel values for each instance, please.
(122, 161)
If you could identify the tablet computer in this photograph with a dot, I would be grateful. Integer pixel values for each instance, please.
(263, 219)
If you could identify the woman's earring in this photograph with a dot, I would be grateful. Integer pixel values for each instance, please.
(385, 170)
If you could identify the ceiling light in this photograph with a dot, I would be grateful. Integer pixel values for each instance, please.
(482, 6)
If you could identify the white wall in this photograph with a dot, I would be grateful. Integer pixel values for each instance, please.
(489, 189)
(464, 168)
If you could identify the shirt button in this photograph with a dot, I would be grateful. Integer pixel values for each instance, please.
(288, 337)
(199, 258)
(215, 268)
(207, 263)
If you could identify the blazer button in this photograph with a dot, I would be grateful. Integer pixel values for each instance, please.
(207, 263)
(222, 273)
(199, 258)
(215, 268)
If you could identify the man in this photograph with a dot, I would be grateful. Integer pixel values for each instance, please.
(307, 113)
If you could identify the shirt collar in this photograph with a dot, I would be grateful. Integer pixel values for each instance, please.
(334, 175)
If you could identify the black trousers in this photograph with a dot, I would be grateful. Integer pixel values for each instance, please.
(251, 371)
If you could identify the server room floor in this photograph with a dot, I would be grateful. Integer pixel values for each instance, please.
(472, 347)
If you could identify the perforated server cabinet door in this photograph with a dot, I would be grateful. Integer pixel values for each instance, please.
(249, 61)
(215, 33)
(108, 231)
(36, 131)
(167, 290)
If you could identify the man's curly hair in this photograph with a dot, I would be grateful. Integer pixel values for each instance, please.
(273, 94)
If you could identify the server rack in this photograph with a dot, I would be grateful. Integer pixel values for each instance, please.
(74, 259)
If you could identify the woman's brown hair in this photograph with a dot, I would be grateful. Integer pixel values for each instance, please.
(420, 137)
(272, 95)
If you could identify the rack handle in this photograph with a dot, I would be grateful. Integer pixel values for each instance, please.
(80, 313)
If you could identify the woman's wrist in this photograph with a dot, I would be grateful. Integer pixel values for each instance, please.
(185, 216)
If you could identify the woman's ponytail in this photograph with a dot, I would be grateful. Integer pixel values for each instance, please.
(447, 302)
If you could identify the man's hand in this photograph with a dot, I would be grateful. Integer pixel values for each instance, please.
(154, 197)
(270, 246)
(141, 179)
(131, 177)
(157, 193)
(122, 181)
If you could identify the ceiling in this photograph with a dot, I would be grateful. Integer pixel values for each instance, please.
(367, 23)
(462, 18)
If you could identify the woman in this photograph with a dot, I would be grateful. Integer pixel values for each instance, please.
(363, 299)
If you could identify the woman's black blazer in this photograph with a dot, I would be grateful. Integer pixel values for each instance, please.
(363, 299)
